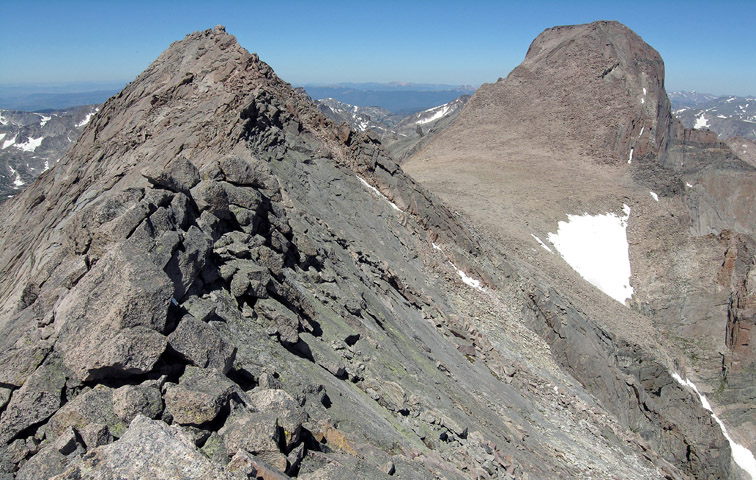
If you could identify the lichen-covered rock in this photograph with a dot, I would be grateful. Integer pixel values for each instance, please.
(178, 175)
(149, 449)
(108, 324)
(201, 345)
(287, 412)
(189, 260)
(45, 464)
(37, 400)
(253, 432)
(93, 407)
(200, 396)
(250, 279)
(278, 320)
(257, 467)
(18, 363)
(131, 400)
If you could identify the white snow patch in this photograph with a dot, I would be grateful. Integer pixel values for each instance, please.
(10, 142)
(3, 121)
(85, 120)
(467, 280)
(742, 456)
(2, 135)
(644, 90)
(30, 145)
(730, 99)
(688, 185)
(643, 100)
(442, 110)
(47, 166)
(44, 120)
(541, 243)
(721, 116)
(596, 247)
(654, 196)
(378, 192)
(642, 129)
(701, 122)
(17, 180)
(630, 160)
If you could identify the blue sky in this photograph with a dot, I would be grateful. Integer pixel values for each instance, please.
(706, 46)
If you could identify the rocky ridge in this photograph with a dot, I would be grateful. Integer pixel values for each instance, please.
(219, 281)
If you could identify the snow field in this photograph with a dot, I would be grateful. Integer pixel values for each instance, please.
(596, 247)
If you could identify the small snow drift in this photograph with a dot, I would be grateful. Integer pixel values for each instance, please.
(701, 122)
(466, 279)
(30, 145)
(86, 119)
(596, 247)
(742, 456)
(378, 192)
(540, 242)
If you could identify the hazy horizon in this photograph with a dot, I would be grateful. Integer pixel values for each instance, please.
(706, 48)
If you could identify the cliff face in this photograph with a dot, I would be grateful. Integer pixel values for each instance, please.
(583, 127)
(600, 78)
(219, 282)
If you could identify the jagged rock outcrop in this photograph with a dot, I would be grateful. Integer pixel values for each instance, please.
(218, 281)
(583, 125)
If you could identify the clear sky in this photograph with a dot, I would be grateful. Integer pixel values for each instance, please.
(707, 46)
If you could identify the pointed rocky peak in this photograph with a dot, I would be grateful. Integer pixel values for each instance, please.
(600, 83)
(218, 271)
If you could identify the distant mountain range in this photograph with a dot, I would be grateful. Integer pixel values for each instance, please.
(394, 86)
(399, 98)
(49, 97)
(32, 142)
(730, 116)
(690, 99)
(401, 134)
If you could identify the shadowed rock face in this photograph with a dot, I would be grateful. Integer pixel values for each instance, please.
(218, 281)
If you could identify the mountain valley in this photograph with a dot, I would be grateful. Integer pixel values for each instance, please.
(224, 279)
(401, 135)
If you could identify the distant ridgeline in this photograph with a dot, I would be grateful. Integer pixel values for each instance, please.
(53, 97)
(400, 99)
